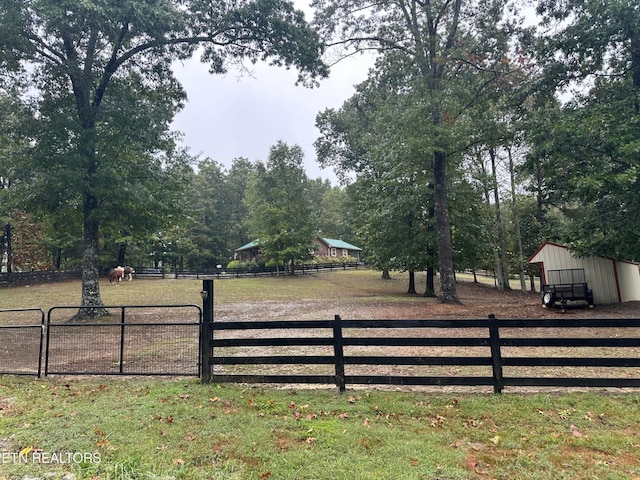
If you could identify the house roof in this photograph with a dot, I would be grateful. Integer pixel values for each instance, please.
(330, 242)
(339, 244)
(249, 246)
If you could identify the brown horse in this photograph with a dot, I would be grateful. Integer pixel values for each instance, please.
(116, 275)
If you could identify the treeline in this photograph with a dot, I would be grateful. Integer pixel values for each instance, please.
(214, 211)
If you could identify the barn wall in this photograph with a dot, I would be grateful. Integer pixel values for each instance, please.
(601, 278)
(599, 272)
(629, 277)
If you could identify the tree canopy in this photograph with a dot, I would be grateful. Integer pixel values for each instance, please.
(279, 213)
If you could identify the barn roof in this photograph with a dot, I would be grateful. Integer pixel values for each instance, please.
(533, 259)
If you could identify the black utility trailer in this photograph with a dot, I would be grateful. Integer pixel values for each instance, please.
(566, 287)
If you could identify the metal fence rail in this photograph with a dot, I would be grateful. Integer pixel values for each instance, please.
(121, 347)
(489, 352)
(21, 340)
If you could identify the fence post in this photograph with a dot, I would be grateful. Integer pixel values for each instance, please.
(206, 330)
(496, 355)
(338, 350)
(122, 332)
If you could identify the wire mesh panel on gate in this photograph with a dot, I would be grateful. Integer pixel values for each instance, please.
(21, 341)
(142, 340)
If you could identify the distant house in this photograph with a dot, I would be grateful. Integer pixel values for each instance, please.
(612, 281)
(325, 247)
(247, 252)
(328, 247)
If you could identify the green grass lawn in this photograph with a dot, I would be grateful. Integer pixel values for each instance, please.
(148, 429)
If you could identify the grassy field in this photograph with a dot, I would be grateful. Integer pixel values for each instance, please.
(140, 428)
(234, 290)
(181, 429)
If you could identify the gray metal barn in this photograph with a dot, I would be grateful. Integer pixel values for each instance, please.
(612, 281)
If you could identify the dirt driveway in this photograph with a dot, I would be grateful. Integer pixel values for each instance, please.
(477, 301)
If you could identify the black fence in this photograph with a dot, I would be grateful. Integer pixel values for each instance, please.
(184, 340)
(489, 352)
(131, 340)
(18, 279)
(21, 341)
(262, 270)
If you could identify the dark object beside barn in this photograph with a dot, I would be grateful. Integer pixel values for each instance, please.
(565, 288)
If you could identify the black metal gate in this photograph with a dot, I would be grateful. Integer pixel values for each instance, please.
(21, 335)
(139, 340)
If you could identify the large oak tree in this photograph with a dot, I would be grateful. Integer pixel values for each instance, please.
(79, 56)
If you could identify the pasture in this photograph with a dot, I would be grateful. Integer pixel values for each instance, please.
(135, 428)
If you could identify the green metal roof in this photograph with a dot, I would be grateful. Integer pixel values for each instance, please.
(332, 243)
(339, 244)
(249, 245)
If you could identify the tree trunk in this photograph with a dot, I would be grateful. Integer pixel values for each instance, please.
(502, 271)
(516, 223)
(448, 293)
(9, 244)
(430, 289)
(91, 226)
(91, 265)
(386, 275)
(122, 253)
(58, 260)
(412, 282)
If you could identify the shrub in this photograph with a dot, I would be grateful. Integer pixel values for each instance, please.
(234, 264)
(328, 259)
(272, 263)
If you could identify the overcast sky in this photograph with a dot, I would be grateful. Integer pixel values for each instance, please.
(230, 116)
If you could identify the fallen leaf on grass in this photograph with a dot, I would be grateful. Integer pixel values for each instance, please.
(178, 461)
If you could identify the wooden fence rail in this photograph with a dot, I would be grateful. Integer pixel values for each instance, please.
(485, 352)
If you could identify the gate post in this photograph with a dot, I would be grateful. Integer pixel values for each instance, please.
(338, 353)
(206, 330)
(496, 354)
